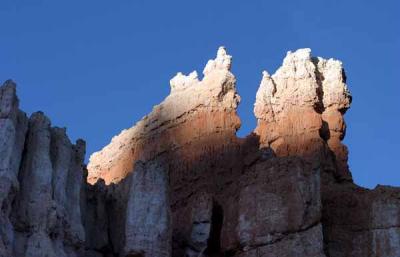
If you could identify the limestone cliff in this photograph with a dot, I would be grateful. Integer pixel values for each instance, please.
(181, 183)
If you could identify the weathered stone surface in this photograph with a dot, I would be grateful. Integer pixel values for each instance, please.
(201, 216)
(301, 243)
(96, 219)
(269, 194)
(13, 126)
(196, 117)
(211, 171)
(360, 222)
(147, 223)
(194, 109)
(300, 112)
(181, 183)
(35, 208)
(40, 184)
(301, 105)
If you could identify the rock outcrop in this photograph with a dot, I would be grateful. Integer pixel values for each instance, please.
(40, 183)
(181, 183)
(194, 110)
(300, 112)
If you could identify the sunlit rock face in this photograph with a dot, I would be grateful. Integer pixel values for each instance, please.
(300, 112)
(301, 106)
(180, 183)
(194, 110)
(40, 184)
(226, 195)
(281, 191)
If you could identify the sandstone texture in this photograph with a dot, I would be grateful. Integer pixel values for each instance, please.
(193, 110)
(180, 183)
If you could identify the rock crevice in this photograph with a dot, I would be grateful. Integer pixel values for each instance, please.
(181, 183)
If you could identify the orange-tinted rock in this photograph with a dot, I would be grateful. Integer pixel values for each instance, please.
(181, 183)
(194, 110)
(273, 193)
(300, 112)
(209, 167)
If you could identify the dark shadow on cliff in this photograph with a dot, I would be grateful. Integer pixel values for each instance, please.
(210, 164)
(219, 165)
(214, 240)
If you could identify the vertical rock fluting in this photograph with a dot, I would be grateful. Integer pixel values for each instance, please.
(197, 119)
(214, 177)
(41, 180)
(300, 112)
(181, 183)
(13, 127)
(147, 224)
(285, 190)
(302, 105)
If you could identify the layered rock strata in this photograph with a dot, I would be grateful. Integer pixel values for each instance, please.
(194, 110)
(300, 112)
(276, 192)
(181, 183)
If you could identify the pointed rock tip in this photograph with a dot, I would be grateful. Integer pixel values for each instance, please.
(221, 51)
(193, 75)
(9, 82)
(266, 74)
(9, 86)
(222, 61)
(40, 117)
(80, 141)
(80, 148)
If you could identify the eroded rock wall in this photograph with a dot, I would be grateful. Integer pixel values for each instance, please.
(40, 184)
(300, 112)
(228, 196)
(194, 110)
(181, 183)
(281, 191)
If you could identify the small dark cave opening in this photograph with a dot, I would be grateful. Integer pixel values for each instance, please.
(214, 241)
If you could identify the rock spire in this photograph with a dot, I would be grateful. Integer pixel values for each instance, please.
(181, 183)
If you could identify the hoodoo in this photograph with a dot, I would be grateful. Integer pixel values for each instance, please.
(181, 183)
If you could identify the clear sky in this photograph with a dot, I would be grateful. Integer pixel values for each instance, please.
(96, 67)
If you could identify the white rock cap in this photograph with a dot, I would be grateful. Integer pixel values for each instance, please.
(181, 81)
(223, 61)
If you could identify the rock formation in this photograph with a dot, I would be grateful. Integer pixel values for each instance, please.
(41, 175)
(181, 183)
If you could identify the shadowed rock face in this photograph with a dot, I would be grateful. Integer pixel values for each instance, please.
(40, 184)
(193, 110)
(181, 183)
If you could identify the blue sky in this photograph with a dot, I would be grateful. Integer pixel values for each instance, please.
(97, 67)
